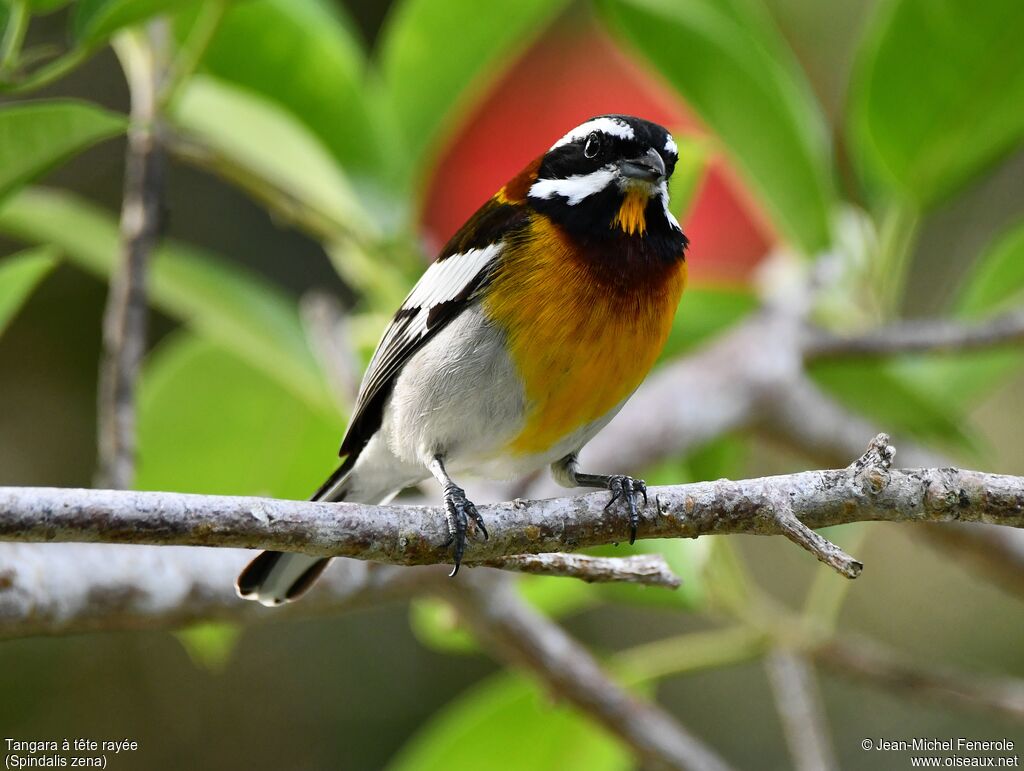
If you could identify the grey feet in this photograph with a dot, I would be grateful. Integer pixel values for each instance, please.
(458, 511)
(627, 488)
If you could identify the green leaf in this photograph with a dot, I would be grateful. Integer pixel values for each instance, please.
(732, 67)
(301, 55)
(20, 274)
(436, 625)
(225, 303)
(937, 93)
(994, 284)
(209, 422)
(438, 55)
(704, 312)
(895, 399)
(46, 6)
(240, 126)
(210, 644)
(96, 20)
(509, 712)
(37, 136)
(996, 280)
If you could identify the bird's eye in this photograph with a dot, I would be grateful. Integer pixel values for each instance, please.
(592, 146)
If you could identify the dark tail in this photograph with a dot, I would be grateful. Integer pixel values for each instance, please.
(275, 577)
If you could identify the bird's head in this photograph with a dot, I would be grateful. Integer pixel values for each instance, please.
(608, 176)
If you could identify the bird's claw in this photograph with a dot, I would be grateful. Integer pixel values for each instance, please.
(622, 486)
(458, 511)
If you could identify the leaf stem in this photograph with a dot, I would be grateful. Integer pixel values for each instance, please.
(691, 652)
(898, 234)
(48, 73)
(14, 35)
(191, 53)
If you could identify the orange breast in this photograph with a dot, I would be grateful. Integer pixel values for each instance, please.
(581, 341)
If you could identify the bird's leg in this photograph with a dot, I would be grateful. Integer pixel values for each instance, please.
(458, 510)
(566, 472)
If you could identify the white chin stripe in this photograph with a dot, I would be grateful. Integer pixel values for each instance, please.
(663, 195)
(670, 146)
(574, 188)
(608, 126)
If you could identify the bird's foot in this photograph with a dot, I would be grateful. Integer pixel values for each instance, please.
(627, 488)
(458, 511)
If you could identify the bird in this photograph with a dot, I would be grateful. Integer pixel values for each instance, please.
(533, 326)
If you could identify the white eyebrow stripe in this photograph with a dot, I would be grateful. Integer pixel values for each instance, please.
(670, 146)
(610, 126)
(574, 188)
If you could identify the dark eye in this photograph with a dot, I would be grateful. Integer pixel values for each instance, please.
(592, 146)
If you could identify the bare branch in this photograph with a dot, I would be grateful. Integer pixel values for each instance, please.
(799, 707)
(65, 588)
(809, 421)
(921, 336)
(872, 663)
(781, 513)
(124, 320)
(416, 535)
(644, 569)
(522, 637)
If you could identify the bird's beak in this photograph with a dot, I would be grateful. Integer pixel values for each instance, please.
(648, 167)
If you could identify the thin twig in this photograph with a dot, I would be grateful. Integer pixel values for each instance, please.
(522, 637)
(124, 320)
(799, 706)
(921, 336)
(644, 569)
(781, 513)
(868, 661)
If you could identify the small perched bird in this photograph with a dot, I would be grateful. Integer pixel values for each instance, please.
(535, 324)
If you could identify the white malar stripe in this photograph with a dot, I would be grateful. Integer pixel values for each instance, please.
(610, 126)
(574, 188)
(663, 195)
(670, 146)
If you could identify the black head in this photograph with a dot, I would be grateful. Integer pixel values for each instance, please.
(607, 178)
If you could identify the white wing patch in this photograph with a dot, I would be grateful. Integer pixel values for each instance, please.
(576, 187)
(444, 281)
(610, 126)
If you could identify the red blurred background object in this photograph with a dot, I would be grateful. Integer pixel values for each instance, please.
(573, 73)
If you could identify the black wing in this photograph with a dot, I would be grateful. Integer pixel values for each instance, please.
(442, 293)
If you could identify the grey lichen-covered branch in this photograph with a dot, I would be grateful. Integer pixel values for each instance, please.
(416, 535)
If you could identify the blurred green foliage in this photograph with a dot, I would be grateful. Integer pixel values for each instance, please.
(282, 99)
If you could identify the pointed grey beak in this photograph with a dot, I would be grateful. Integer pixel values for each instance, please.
(649, 167)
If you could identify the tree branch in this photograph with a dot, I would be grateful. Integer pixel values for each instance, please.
(523, 637)
(806, 419)
(66, 588)
(124, 320)
(799, 706)
(864, 659)
(644, 569)
(920, 336)
(416, 535)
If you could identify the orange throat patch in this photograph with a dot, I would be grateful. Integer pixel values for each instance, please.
(630, 216)
(580, 346)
